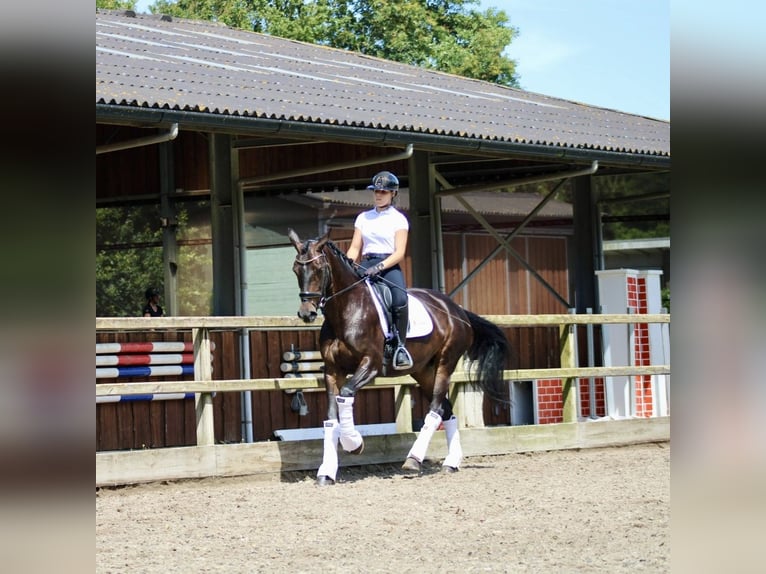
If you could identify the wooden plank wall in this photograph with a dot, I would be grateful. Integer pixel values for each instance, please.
(135, 172)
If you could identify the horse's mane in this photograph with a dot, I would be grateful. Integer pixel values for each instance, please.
(342, 256)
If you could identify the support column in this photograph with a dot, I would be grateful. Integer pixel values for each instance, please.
(585, 241)
(169, 222)
(421, 243)
(223, 225)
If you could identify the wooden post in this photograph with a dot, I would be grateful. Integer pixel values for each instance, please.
(467, 400)
(403, 408)
(569, 385)
(203, 402)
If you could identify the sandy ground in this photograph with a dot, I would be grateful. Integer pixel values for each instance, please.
(595, 510)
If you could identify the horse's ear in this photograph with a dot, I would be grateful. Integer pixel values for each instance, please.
(322, 240)
(294, 239)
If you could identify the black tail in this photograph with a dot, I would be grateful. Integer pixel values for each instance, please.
(489, 351)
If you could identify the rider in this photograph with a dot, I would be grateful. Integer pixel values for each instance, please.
(380, 236)
(152, 307)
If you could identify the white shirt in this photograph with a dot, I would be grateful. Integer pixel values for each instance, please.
(379, 228)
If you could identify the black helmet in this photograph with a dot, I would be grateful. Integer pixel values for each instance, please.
(151, 292)
(384, 180)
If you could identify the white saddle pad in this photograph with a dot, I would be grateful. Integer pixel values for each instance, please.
(419, 324)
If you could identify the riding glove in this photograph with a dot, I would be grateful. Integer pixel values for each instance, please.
(374, 270)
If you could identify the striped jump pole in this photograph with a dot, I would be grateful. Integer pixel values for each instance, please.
(144, 359)
(147, 347)
(150, 397)
(154, 359)
(144, 371)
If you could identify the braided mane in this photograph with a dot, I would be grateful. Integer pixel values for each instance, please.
(342, 256)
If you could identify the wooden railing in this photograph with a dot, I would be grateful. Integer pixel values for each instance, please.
(464, 398)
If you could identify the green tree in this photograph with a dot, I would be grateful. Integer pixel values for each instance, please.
(446, 35)
(116, 4)
(129, 259)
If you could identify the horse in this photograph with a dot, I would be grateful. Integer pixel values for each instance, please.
(353, 342)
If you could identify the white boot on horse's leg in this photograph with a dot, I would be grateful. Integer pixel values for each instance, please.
(454, 449)
(350, 438)
(418, 451)
(329, 467)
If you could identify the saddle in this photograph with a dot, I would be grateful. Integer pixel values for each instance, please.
(420, 323)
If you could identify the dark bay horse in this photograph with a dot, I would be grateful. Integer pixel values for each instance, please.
(352, 343)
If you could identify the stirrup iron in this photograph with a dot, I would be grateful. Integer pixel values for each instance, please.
(402, 359)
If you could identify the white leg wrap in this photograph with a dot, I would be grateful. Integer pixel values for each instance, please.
(418, 450)
(350, 438)
(454, 450)
(329, 466)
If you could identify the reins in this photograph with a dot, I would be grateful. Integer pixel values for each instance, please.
(323, 300)
(354, 284)
(325, 275)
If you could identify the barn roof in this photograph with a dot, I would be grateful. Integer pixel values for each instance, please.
(147, 65)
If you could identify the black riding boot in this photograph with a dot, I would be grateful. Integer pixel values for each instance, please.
(402, 358)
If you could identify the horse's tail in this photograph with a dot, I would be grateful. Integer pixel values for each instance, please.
(488, 353)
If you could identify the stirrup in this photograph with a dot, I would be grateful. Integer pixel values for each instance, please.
(402, 358)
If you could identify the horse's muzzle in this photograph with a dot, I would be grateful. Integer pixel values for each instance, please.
(307, 312)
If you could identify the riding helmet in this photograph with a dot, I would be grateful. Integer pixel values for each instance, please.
(384, 180)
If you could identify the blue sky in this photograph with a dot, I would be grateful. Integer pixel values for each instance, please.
(609, 53)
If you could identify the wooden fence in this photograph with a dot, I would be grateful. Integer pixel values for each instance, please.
(130, 466)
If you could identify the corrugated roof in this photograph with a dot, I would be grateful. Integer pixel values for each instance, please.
(144, 61)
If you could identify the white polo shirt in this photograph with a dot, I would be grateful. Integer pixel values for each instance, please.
(379, 228)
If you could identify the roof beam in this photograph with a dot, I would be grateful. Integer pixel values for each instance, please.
(199, 121)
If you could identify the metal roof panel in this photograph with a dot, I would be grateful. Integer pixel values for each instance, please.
(146, 61)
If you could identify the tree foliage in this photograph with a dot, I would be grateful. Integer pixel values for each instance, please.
(116, 4)
(447, 35)
(123, 273)
(129, 259)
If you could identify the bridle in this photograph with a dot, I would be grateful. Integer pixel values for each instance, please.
(321, 296)
(306, 296)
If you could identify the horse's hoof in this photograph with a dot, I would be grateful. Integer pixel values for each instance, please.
(411, 465)
(449, 469)
(357, 450)
(324, 481)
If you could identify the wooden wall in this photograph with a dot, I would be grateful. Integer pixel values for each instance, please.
(135, 172)
(503, 286)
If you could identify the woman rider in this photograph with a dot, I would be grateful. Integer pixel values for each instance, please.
(380, 236)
